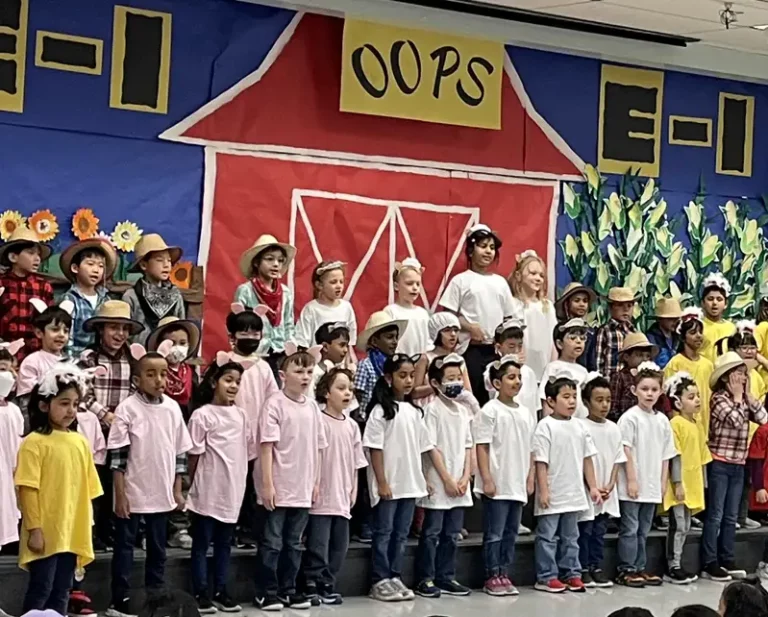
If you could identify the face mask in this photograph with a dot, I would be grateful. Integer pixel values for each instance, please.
(178, 354)
(247, 346)
(7, 381)
(452, 389)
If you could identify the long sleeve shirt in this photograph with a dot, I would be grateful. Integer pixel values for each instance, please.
(608, 342)
(274, 337)
(729, 426)
(107, 392)
(16, 312)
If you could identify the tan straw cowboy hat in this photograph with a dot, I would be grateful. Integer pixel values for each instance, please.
(100, 244)
(113, 311)
(668, 308)
(152, 243)
(728, 361)
(379, 321)
(264, 242)
(621, 294)
(173, 323)
(23, 235)
(570, 290)
(638, 340)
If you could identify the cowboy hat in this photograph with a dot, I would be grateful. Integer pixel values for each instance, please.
(113, 311)
(638, 340)
(378, 321)
(98, 244)
(23, 235)
(152, 243)
(668, 308)
(728, 361)
(570, 290)
(263, 242)
(621, 294)
(171, 322)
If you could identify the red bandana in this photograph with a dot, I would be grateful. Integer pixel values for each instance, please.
(179, 383)
(272, 298)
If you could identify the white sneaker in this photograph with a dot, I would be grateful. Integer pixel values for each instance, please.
(750, 524)
(762, 571)
(523, 531)
(385, 591)
(181, 539)
(405, 592)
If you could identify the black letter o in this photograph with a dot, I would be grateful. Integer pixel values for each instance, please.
(357, 67)
(397, 73)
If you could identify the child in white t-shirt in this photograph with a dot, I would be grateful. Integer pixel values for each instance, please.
(406, 279)
(649, 446)
(508, 341)
(563, 451)
(570, 339)
(333, 339)
(503, 433)
(443, 330)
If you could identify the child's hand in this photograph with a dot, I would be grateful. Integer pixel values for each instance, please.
(679, 491)
(108, 418)
(181, 503)
(315, 493)
(489, 488)
(530, 485)
(762, 496)
(596, 495)
(606, 491)
(451, 488)
(36, 542)
(268, 497)
(632, 489)
(122, 507)
(430, 489)
(463, 485)
(476, 332)
(384, 491)
(544, 497)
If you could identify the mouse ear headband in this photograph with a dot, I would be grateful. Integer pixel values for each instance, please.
(451, 358)
(715, 279)
(745, 326)
(68, 373)
(692, 313)
(331, 265)
(138, 351)
(671, 384)
(225, 357)
(591, 376)
(292, 349)
(13, 347)
(65, 305)
(409, 263)
(260, 310)
(648, 365)
(527, 253)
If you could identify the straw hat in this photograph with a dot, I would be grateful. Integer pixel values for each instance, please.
(190, 327)
(571, 289)
(621, 294)
(638, 340)
(668, 308)
(23, 235)
(113, 311)
(378, 321)
(728, 361)
(100, 244)
(152, 243)
(263, 242)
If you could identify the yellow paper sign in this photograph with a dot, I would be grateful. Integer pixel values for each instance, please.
(421, 75)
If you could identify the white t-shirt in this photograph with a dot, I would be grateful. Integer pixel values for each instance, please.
(484, 299)
(576, 372)
(450, 428)
(509, 433)
(649, 435)
(415, 339)
(610, 451)
(528, 396)
(403, 440)
(537, 336)
(314, 315)
(563, 445)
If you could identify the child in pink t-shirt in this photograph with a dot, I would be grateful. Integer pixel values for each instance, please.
(291, 437)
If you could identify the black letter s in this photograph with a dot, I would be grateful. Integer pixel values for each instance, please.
(470, 100)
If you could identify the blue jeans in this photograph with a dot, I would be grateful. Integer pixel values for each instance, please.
(155, 532)
(327, 544)
(592, 542)
(636, 521)
(557, 546)
(204, 531)
(718, 539)
(50, 580)
(391, 522)
(501, 522)
(279, 556)
(436, 555)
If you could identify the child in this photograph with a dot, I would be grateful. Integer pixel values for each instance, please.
(609, 337)
(649, 446)
(88, 265)
(684, 495)
(761, 330)
(635, 349)
(758, 495)
(154, 296)
(149, 443)
(529, 287)
(569, 339)
(292, 440)
(714, 300)
(503, 433)
(481, 300)
(263, 265)
(563, 452)
(333, 338)
(407, 285)
(328, 527)
(56, 480)
(576, 301)
(218, 467)
(663, 333)
(22, 255)
(328, 304)
(443, 330)
(448, 421)
(11, 431)
(508, 341)
(606, 436)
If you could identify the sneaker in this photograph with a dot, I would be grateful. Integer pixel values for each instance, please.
(464, 534)
(523, 531)
(99, 546)
(651, 580)
(575, 584)
(750, 524)
(268, 603)
(224, 603)
(405, 592)
(692, 578)
(587, 579)
(181, 539)
(553, 586)
(427, 589)
(244, 543)
(328, 596)
(696, 523)
(454, 588)
(79, 603)
(631, 579)
(120, 609)
(762, 571)
(713, 572)
(676, 576)
(661, 523)
(296, 601)
(494, 586)
(599, 578)
(735, 572)
(384, 591)
(509, 586)
(204, 604)
(738, 525)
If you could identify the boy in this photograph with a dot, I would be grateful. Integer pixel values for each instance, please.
(154, 296)
(635, 349)
(621, 304)
(22, 256)
(148, 445)
(88, 265)
(334, 339)
(664, 332)
(508, 341)
(569, 339)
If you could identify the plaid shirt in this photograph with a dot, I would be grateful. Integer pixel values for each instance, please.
(79, 339)
(621, 393)
(729, 426)
(109, 391)
(365, 380)
(16, 312)
(609, 340)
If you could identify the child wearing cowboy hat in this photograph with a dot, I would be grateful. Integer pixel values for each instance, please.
(663, 333)
(621, 304)
(575, 301)
(154, 296)
(635, 349)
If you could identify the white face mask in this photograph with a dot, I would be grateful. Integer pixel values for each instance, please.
(178, 354)
(7, 381)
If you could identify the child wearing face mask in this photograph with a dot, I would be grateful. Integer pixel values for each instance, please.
(406, 279)
(714, 301)
(443, 330)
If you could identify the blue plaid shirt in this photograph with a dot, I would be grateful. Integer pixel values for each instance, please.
(79, 339)
(366, 377)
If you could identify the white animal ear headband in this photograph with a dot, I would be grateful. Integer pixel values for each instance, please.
(68, 373)
(745, 325)
(692, 313)
(13, 347)
(333, 265)
(451, 358)
(527, 253)
(715, 279)
(316, 352)
(510, 358)
(139, 351)
(225, 357)
(261, 310)
(409, 263)
(671, 384)
(591, 376)
(66, 305)
(649, 366)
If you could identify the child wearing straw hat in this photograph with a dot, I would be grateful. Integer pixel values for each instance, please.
(663, 333)
(635, 350)
(610, 336)
(575, 301)
(154, 296)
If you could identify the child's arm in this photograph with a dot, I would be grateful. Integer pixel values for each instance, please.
(450, 484)
(591, 480)
(484, 466)
(268, 487)
(316, 489)
(467, 472)
(419, 377)
(289, 321)
(601, 351)
(193, 461)
(178, 495)
(530, 483)
(665, 473)
(29, 503)
(377, 462)
(122, 507)
(631, 471)
(542, 482)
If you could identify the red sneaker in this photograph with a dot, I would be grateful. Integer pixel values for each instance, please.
(553, 586)
(575, 584)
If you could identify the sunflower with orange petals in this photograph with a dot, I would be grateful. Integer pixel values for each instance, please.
(181, 274)
(85, 224)
(44, 224)
(10, 221)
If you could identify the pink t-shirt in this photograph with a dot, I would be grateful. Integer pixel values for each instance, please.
(156, 435)
(88, 426)
(296, 433)
(32, 370)
(256, 386)
(338, 466)
(11, 429)
(222, 438)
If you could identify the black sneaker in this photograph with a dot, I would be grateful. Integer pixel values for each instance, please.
(120, 608)
(311, 592)
(692, 578)
(328, 596)
(599, 578)
(427, 589)
(676, 576)
(713, 572)
(204, 604)
(268, 603)
(453, 588)
(735, 572)
(296, 601)
(587, 579)
(224, 603)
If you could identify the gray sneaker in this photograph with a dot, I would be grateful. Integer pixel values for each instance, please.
(385, 591)
(181, 539)
(750, 524)
(407, 594)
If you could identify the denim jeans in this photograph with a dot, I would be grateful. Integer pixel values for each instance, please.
(391, 522)
(327, 544)
(636, 521)
(557, 546)
(718, 538)
(436, 555)
(592, 542)
(155, 532)
(205, 530)
(279, 556)
(501, 522)
(50, 579)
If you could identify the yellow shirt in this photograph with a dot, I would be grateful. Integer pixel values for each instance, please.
(700, 370)
(758, 390)
(761, 336)
(694, 454)
(60, 467)
(713, 332)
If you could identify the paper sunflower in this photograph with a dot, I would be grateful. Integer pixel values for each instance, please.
(9, 221)
(125, 236)
(181, 274)
(85, 224)
(44, 224)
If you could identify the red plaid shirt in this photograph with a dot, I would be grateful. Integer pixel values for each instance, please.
(621, 393)
(16, 312)
(729, 426)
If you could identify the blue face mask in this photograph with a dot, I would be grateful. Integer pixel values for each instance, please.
(452, 389)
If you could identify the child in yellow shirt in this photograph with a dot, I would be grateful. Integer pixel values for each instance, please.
(714, 300)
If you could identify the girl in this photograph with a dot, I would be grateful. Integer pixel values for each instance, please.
(11, 431)
(218, 465)
(481, 300)
(443, 330)
(529, 287)
(395, 437)
(56, 480)
(328, 304)
(407, 284)
(576, 301)
(714, 301)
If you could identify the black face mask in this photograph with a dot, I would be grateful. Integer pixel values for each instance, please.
(247, 346)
